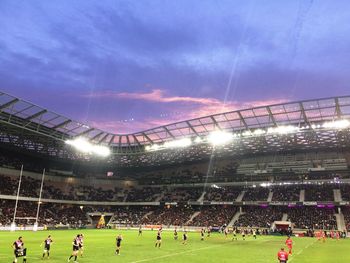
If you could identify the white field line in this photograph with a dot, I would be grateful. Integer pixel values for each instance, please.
(302, 250)
(183, 252)
(178, 253)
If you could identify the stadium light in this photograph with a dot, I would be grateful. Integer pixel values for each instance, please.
(283, 129)
(220, 137)
(84, 146)
(259, 132)
(198, 140)
(178, 143)
(340, 124)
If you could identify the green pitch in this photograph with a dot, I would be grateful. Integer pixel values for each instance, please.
(100, 248)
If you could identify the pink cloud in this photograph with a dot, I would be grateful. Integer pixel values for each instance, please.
(194, 107)
(156, 95)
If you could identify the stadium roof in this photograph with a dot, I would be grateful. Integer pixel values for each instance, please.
(21, 120)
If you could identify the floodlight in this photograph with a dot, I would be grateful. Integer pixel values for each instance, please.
(339, 124)
(247, 133)
(85, 146)
(220, 137)
(283, 129)
(178, 143)
(198, 140)
(259, 132)
(101, 150)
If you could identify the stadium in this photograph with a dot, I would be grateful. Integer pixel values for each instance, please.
(277, 169)
(267, 181)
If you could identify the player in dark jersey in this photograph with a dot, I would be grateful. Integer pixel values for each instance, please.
(234, 232)
(175, 234)
(202, 234)
(47, 245)
(75, 251)
(208, 231)
(159, 239)
(140, 231)
(254, 233)
(184, 238)
(118, 243)
(81, 244)
(19, 250)
(243, 234)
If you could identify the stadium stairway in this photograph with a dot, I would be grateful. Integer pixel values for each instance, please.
(284, 217)
(90, 219)
(337, 195)
(235, 218)
(240, 196)
(201, 198)
(302, 196)
(269, 199)
(340, 221)
(125, 197)
(195, 214)
(160, 197)
(147, 214)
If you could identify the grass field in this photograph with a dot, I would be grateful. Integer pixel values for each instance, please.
(100, 248)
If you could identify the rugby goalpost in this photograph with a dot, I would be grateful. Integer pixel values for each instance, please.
(13, 224)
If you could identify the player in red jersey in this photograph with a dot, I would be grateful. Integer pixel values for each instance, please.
(337, 235)
(323, 234)
(282, 256)
(318, 235)
(289, 243)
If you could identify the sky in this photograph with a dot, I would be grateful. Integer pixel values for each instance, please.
(126, 66)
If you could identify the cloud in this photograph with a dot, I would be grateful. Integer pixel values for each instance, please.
(156, 95)
(192, 107)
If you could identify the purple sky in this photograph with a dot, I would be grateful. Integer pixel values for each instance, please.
(126, 66)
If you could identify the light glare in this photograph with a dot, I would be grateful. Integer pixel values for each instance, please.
(84, 146)
(220, 137)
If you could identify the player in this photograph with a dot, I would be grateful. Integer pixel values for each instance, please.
(119, 240)
(75, 251)
(175, 234)
(140, 231)
(226, 232)
(282, 256)
(81, 244)
(19, 250)
(234, 232)
(254, 233)
(318, 235)
(159, 238)
(47, 245)
(243, 234)
(289, 243)
(202, 234)
(184, 238)
(337, 235)
(208, 231)
(323, 235)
